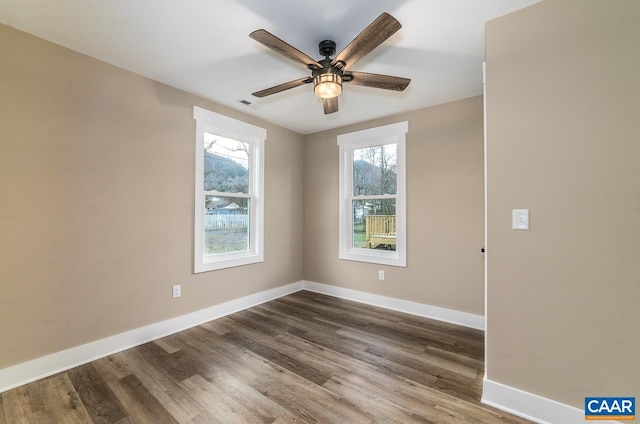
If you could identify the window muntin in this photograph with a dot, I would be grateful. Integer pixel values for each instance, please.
(229, 185)
(372, 195)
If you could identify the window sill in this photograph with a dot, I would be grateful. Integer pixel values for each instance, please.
(227, 261)
(374, 256)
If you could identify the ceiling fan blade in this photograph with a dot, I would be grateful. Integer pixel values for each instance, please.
(330, 105)
(282, 47)
(371, 37)
(386, 82)
(282, 87)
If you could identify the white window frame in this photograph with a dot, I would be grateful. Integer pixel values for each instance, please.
(214, 123)
(347, 143)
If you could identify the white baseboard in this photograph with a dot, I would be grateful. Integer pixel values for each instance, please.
(54, 363)
(527, 405)
(428, 311)
(518, 402)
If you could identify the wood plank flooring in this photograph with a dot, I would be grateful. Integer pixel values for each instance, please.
(304, 358)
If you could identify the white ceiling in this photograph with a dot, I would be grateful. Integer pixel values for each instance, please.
(203, 47)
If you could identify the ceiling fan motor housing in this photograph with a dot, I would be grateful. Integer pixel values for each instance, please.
(327, 48)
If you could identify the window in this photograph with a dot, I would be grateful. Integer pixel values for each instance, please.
(229, 186)
(372, 195)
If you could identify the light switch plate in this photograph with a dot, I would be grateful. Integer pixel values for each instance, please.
(520, 219)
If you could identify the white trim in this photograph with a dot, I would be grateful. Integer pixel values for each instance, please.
(407, 306)
(486, 254)
(214, 123)
(530, 406)
(54, 363)
(347, 143)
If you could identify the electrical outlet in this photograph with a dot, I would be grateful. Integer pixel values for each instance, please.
(380, 275)
(177, 291)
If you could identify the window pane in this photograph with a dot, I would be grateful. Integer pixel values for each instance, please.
(374, 224)
(226, 164)
(374, 170)
(226, 225)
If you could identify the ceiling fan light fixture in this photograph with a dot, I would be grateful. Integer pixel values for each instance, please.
(327, 85)
(329, 74)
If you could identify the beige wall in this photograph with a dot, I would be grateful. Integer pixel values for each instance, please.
(564, 141)
(96, 202)
(444, 204)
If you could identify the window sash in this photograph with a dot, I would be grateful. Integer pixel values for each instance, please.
(251, 212)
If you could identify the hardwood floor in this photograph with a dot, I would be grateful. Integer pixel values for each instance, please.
(304, 358)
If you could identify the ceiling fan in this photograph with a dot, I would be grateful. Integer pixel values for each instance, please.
(327, 75)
